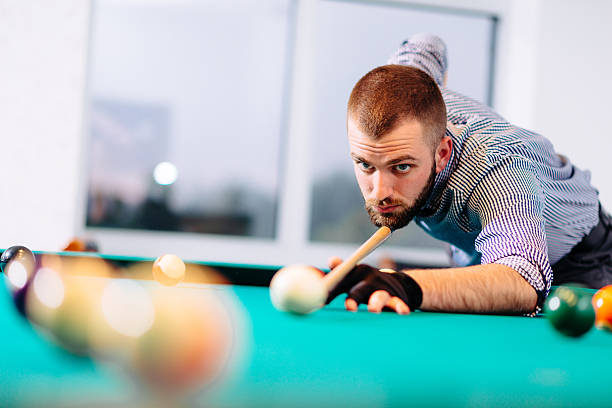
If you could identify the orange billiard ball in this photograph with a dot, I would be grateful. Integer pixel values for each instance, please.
(602, 302)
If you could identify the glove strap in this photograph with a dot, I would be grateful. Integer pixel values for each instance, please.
(414, 293)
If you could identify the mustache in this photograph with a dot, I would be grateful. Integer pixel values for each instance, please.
(382, 203)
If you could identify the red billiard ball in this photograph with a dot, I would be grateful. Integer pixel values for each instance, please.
(602, 302)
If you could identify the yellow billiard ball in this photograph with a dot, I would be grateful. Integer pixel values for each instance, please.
(168, 270)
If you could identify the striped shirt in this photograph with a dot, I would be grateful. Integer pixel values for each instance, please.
(506, 197)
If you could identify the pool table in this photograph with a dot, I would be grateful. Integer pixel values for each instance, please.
(335, 358)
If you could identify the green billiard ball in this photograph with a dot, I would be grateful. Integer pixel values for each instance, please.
(570, 311)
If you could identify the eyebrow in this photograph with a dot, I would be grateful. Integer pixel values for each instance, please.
(389, 163)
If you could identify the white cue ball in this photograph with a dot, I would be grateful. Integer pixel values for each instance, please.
(168, 269)
(298, 289)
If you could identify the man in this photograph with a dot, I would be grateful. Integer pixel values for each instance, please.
(500, 195)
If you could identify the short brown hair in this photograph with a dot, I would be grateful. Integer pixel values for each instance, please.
(387, 95)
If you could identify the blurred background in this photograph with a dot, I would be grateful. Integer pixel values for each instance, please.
(215, 129)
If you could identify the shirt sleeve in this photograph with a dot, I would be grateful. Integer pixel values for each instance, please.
(426, 52)
(510, 202)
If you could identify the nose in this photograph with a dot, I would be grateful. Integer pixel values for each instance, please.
(382, 185)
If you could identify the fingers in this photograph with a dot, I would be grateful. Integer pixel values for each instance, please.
(333, 262)
(398, 306)
(380, 300)
(353, 281)
(350, 304)
(320, 272)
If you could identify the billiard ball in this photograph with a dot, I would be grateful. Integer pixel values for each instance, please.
(602, 302)
(189, 344)
(168, 270)
(73, 318)
(570, 311)
(18, 264)
(81, 245)
(20, 254)
(298, 288)
(45, 296)
(126, 312)
(65, 300)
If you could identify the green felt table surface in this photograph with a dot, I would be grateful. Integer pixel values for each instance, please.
(339, 358)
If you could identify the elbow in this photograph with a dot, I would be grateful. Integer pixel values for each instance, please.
(530, 302)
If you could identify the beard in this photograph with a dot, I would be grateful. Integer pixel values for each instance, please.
(402, 217)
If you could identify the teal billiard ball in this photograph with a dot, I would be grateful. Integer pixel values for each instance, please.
(18, 264)
(570, 311)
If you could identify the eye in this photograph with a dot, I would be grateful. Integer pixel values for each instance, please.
(364, 166)
(402, 168)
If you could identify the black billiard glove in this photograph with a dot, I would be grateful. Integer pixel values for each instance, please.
(364, 280)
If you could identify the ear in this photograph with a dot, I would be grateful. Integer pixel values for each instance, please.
(443, 153)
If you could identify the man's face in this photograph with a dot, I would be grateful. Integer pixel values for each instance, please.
(395, 173)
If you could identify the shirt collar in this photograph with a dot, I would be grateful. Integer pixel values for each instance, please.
(441, 180)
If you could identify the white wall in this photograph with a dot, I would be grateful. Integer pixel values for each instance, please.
(543, 46)
(553, 78)
(574, 85)
(42, 78)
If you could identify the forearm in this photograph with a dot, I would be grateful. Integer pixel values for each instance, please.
(490, 288)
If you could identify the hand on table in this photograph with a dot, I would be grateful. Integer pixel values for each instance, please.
(379, 290)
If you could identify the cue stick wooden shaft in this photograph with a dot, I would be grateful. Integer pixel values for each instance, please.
(333, 278)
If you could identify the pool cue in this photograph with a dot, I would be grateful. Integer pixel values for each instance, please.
(333, 278)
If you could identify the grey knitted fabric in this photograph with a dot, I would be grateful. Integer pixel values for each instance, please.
(426, 52)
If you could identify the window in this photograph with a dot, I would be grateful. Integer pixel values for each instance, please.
(187, 115)
(216, 129)
(353, 38)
